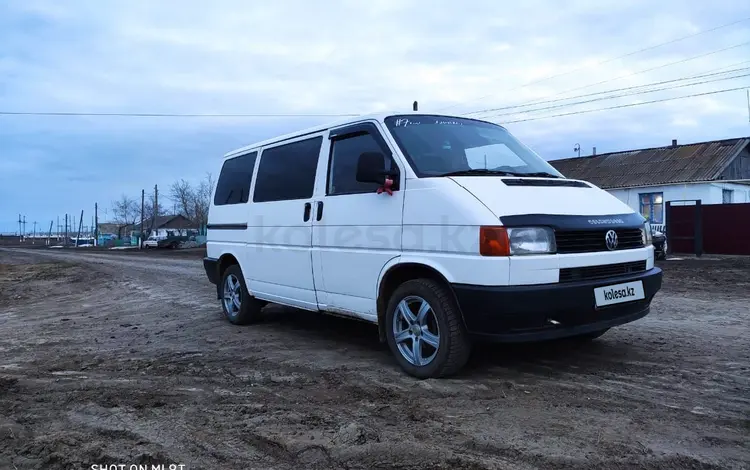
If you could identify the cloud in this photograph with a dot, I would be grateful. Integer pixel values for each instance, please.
(347, 57)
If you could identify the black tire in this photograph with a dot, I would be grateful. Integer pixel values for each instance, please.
(454, 346)
(589, 336)
(250, 307)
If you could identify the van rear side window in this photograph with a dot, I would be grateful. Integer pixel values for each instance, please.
(233, 186)
(287, 172)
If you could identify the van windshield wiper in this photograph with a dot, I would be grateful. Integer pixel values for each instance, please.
(486, 171)
(539, 173)
(478, 171)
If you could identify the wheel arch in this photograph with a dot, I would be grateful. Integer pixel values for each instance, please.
(225, 261)
(401, 269)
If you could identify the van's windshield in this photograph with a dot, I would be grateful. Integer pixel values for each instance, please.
(448, 146)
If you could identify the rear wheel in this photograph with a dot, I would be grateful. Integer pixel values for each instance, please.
(238, 306)
(425, 331)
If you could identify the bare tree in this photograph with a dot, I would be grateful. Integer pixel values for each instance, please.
(148, 210)
(182, 194)
(125, 210)
(202, 200)
(193, 201)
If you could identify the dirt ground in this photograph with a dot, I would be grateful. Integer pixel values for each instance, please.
(126, 360)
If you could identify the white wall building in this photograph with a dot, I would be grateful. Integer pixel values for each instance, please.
(716, 172)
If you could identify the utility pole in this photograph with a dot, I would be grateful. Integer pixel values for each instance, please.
(65, 241)
(20, 229)
(143, 204)
(24, 226)
(58, 227)
(33, 238)
(96, 224)
(156, 203)
(49, 237)
(80, 224)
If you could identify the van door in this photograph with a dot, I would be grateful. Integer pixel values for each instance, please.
(356, 231)
(278, 254)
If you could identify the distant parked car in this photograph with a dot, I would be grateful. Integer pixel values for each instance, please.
(659, 241)
(165, 241)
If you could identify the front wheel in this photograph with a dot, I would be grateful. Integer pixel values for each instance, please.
(425, 331)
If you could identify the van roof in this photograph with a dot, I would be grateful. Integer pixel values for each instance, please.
(380, 117)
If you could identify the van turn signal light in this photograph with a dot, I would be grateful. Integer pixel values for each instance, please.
(493, 241)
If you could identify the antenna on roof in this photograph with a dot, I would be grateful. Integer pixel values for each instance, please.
(415, 106)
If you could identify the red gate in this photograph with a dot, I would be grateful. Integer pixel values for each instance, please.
(721, 229)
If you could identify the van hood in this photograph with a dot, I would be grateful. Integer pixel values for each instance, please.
(504, 200)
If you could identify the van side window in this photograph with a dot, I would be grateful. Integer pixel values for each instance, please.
(342, 168)
(236, 174)
(288, 171)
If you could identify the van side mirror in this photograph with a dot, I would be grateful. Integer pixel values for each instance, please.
(371, 168)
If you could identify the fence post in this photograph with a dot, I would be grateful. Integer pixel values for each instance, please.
(667, 229)
(698, 228)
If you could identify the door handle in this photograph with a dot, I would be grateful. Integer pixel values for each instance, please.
(308, 207)
(320, 211)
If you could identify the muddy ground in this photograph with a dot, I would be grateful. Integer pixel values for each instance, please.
(112, 359)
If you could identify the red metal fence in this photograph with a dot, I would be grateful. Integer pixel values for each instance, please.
(721, 229)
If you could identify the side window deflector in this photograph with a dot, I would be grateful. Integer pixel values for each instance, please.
(361, 129)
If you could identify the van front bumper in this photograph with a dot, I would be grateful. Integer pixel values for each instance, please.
(549, 311)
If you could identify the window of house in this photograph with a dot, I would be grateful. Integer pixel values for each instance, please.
(726, 196)
(652, 207)
(342, 172)
(233, 186)
(287, 172)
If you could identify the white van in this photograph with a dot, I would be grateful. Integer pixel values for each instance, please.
(441, 230)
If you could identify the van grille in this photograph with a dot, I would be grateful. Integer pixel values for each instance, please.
(587, 241)
(587, 273)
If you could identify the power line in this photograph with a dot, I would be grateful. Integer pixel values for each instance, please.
(158, 115)
(673, 87)
(641, 71)
(627, 105)
(656, 46)
(663, 82)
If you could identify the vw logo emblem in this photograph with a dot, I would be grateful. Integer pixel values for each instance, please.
(611, 240)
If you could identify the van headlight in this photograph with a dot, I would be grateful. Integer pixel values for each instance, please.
(646, 234)
(531, 240)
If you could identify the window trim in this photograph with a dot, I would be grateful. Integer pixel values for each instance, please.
(651, 203)
(350, 132)
(252, 177)
(285, 143)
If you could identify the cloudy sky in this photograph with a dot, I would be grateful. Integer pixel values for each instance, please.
(336, 57)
